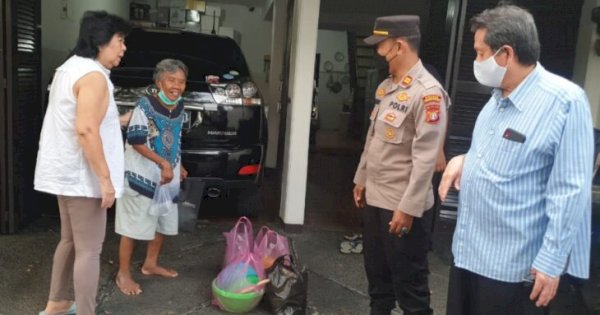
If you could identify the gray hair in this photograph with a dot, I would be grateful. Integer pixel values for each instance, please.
(510, 25)
(170, 66)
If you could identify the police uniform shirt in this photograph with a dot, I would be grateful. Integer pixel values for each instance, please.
(408, 125)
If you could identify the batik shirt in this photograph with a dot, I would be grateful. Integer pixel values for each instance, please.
(153, 125)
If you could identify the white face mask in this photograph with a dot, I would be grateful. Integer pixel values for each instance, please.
(488, 72)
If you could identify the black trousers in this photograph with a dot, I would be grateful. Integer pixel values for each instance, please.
(397, 268)
(472, 294)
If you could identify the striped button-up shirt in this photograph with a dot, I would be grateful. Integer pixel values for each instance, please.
(525, 198)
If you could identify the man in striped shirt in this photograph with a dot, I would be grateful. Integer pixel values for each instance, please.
(525, 183)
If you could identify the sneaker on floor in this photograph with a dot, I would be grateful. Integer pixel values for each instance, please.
(358, 247)
(346, 247)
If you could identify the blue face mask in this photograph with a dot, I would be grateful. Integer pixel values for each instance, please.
(166, 100)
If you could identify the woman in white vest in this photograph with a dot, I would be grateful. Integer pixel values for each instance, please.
(80, 159)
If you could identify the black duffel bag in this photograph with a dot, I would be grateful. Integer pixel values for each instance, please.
(286, 292)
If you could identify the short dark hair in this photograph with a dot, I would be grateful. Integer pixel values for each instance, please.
(97, 29)
(510, 25)
(413, 41)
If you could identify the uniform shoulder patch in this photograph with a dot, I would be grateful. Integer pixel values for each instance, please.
(380, 92)
(432, 113)
(432, 98)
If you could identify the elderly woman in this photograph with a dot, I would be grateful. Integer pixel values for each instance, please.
(80, 159)
(152, 158)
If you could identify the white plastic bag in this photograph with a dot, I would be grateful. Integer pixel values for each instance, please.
(162, 203)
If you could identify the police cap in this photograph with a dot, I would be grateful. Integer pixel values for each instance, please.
(394, 26)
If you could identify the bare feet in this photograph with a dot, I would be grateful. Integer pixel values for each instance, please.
(159, 271)
(127, 285)
(58, 307)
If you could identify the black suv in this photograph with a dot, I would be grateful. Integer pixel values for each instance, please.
(224, 135)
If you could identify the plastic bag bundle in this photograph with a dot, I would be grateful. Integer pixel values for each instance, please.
(242, 275)
(257, 266)
(239, 287)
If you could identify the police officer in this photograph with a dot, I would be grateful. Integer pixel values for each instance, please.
(393, 178)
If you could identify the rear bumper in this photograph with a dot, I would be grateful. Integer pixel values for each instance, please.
(218, 187)
(219, 167)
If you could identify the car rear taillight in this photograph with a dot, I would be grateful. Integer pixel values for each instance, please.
(249, 170)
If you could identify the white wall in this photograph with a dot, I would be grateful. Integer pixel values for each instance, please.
(330, 104)
(59, 35)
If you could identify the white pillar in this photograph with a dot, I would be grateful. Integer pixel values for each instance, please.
(278, 42)
(302, 65)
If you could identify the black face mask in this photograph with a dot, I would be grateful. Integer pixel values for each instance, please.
(384, 57)
(380, 63)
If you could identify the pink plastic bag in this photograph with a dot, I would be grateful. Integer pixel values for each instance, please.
(240, 240)
(269, 245)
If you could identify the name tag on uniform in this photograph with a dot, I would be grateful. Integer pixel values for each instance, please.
(399, 107)
(513, 135)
